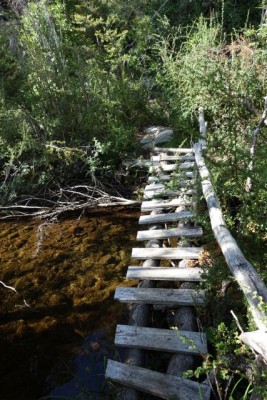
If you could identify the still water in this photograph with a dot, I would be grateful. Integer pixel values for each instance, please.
(67, 273)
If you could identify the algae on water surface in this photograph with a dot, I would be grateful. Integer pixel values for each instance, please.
(68, 279)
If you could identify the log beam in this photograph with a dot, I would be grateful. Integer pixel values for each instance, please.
(249, 281)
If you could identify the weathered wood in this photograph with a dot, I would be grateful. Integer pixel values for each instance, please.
(153, 204)
(166, 297)
(140, 315)
(169, 233)
(171, 167)
(156, 186)
(160, 178)
(150, 194)
(184, 319)
(173, 150)
(162, 194)
(155, 383)
(164, 157)
(169, 340)
(256, 340)
(164, 218)
(202, 127)
(155, 194)
(167, 253)
(165, 273)
(155, 129)
(244, 273)
(158, 135)
(157, 132)
(164, 187)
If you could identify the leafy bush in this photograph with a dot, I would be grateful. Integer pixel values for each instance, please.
(228, 80)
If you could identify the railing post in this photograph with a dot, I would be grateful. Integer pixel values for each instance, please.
(202, 128)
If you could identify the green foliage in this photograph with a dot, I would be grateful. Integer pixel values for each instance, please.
(80, 75)
(81, 78)
(228, 80)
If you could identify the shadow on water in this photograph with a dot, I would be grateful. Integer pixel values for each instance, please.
(69, 284)
(88, 381)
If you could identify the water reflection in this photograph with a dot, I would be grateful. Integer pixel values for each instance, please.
(89, 370)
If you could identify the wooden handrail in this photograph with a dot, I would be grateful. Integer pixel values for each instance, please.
(249, 281)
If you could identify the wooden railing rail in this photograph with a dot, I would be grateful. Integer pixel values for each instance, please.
(246, 276)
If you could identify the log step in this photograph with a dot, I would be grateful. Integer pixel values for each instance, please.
(173, 150)
(171, 167)
(169, 340)
(169, 233)
(164, 157)
(167, 253)
(165, 386)
(165, 274)
(160, 203)
(158, 296)
(164, 218)
(162, 177)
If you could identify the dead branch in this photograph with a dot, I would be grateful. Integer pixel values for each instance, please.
(57, 202)
(25, 304)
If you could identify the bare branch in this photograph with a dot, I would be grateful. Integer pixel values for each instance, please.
(8, 287)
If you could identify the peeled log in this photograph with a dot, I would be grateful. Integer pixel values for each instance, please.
(140, 316)
(184, 320)
(244, 273)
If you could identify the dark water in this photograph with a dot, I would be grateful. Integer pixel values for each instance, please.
(67, 272)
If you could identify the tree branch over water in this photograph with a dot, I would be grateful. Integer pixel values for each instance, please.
(63, 200)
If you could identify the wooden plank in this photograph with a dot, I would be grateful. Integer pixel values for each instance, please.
(167, 253)
(165, 274)
(159, 296)
(184, 175)
(164, 218)
(164, 157)
(150, 194)
(169, 340)
(180, 191)
(173, 150)
(169, 233)
(155, 186)
(160, 203)
(166, 387)
(172, 167)
(162, 186)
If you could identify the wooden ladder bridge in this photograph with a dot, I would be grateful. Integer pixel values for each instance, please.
(169, 278)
